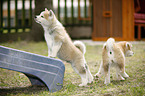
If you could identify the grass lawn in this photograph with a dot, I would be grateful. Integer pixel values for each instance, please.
(16, 84)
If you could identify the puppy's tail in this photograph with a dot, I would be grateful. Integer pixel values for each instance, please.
(81, 46)
(109, 45)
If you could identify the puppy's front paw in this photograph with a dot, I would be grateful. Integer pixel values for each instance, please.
(48, 56)
(51, 56)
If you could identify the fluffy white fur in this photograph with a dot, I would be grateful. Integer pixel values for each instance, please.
(81, 46)
(60, 45)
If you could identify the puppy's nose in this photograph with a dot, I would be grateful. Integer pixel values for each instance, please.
(35, 16)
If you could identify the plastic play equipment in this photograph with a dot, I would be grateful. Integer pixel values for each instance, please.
(39, 69)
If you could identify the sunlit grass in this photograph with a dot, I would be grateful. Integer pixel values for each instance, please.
(16, 84)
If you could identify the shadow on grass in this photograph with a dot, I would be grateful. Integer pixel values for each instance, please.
(25, 90)
(118, 82)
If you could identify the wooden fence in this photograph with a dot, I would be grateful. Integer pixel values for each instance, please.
(14, 19)
(16, 15)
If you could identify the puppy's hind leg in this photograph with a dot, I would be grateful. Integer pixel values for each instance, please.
(81, 69)
(118, 75)
(88, 74)
(124, 74)
(122, 70)
(107, 73)
(84, 80)
(100, 72)
(82, 72)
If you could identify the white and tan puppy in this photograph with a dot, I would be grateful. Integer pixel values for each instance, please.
(114, 55)
(60, 45)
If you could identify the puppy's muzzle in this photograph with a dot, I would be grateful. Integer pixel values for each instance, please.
(35, 18)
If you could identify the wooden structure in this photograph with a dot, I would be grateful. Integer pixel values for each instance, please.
(113, 18)
(139, 19)
(139, 22)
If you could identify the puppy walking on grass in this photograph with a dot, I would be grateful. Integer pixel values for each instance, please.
(114, 55)
(60, 45)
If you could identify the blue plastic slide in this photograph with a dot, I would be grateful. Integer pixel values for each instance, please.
(39, 69)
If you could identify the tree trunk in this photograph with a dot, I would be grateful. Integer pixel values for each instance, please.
(37, 32)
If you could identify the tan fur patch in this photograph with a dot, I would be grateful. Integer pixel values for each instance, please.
(123, 47)
(105, 59)
(59, 35)
(118, 56)
(46, 15)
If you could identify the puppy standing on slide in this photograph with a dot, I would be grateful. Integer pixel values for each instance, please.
(114, 55)
(60, 45)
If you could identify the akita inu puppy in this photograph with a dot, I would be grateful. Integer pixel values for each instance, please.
(60, 45)
(114, 55)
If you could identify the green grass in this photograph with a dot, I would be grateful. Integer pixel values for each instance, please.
(16, 84)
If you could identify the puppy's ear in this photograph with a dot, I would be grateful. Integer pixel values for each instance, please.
(104, 46)
(128, 45)
(51, 13)
(46, 10)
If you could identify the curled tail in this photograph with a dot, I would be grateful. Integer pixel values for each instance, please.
(81, 46)
(109, 45)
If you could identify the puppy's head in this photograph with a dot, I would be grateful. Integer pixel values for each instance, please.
(46, 18)
(128, 49)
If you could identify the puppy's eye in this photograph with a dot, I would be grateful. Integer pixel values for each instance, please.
(42, 16)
